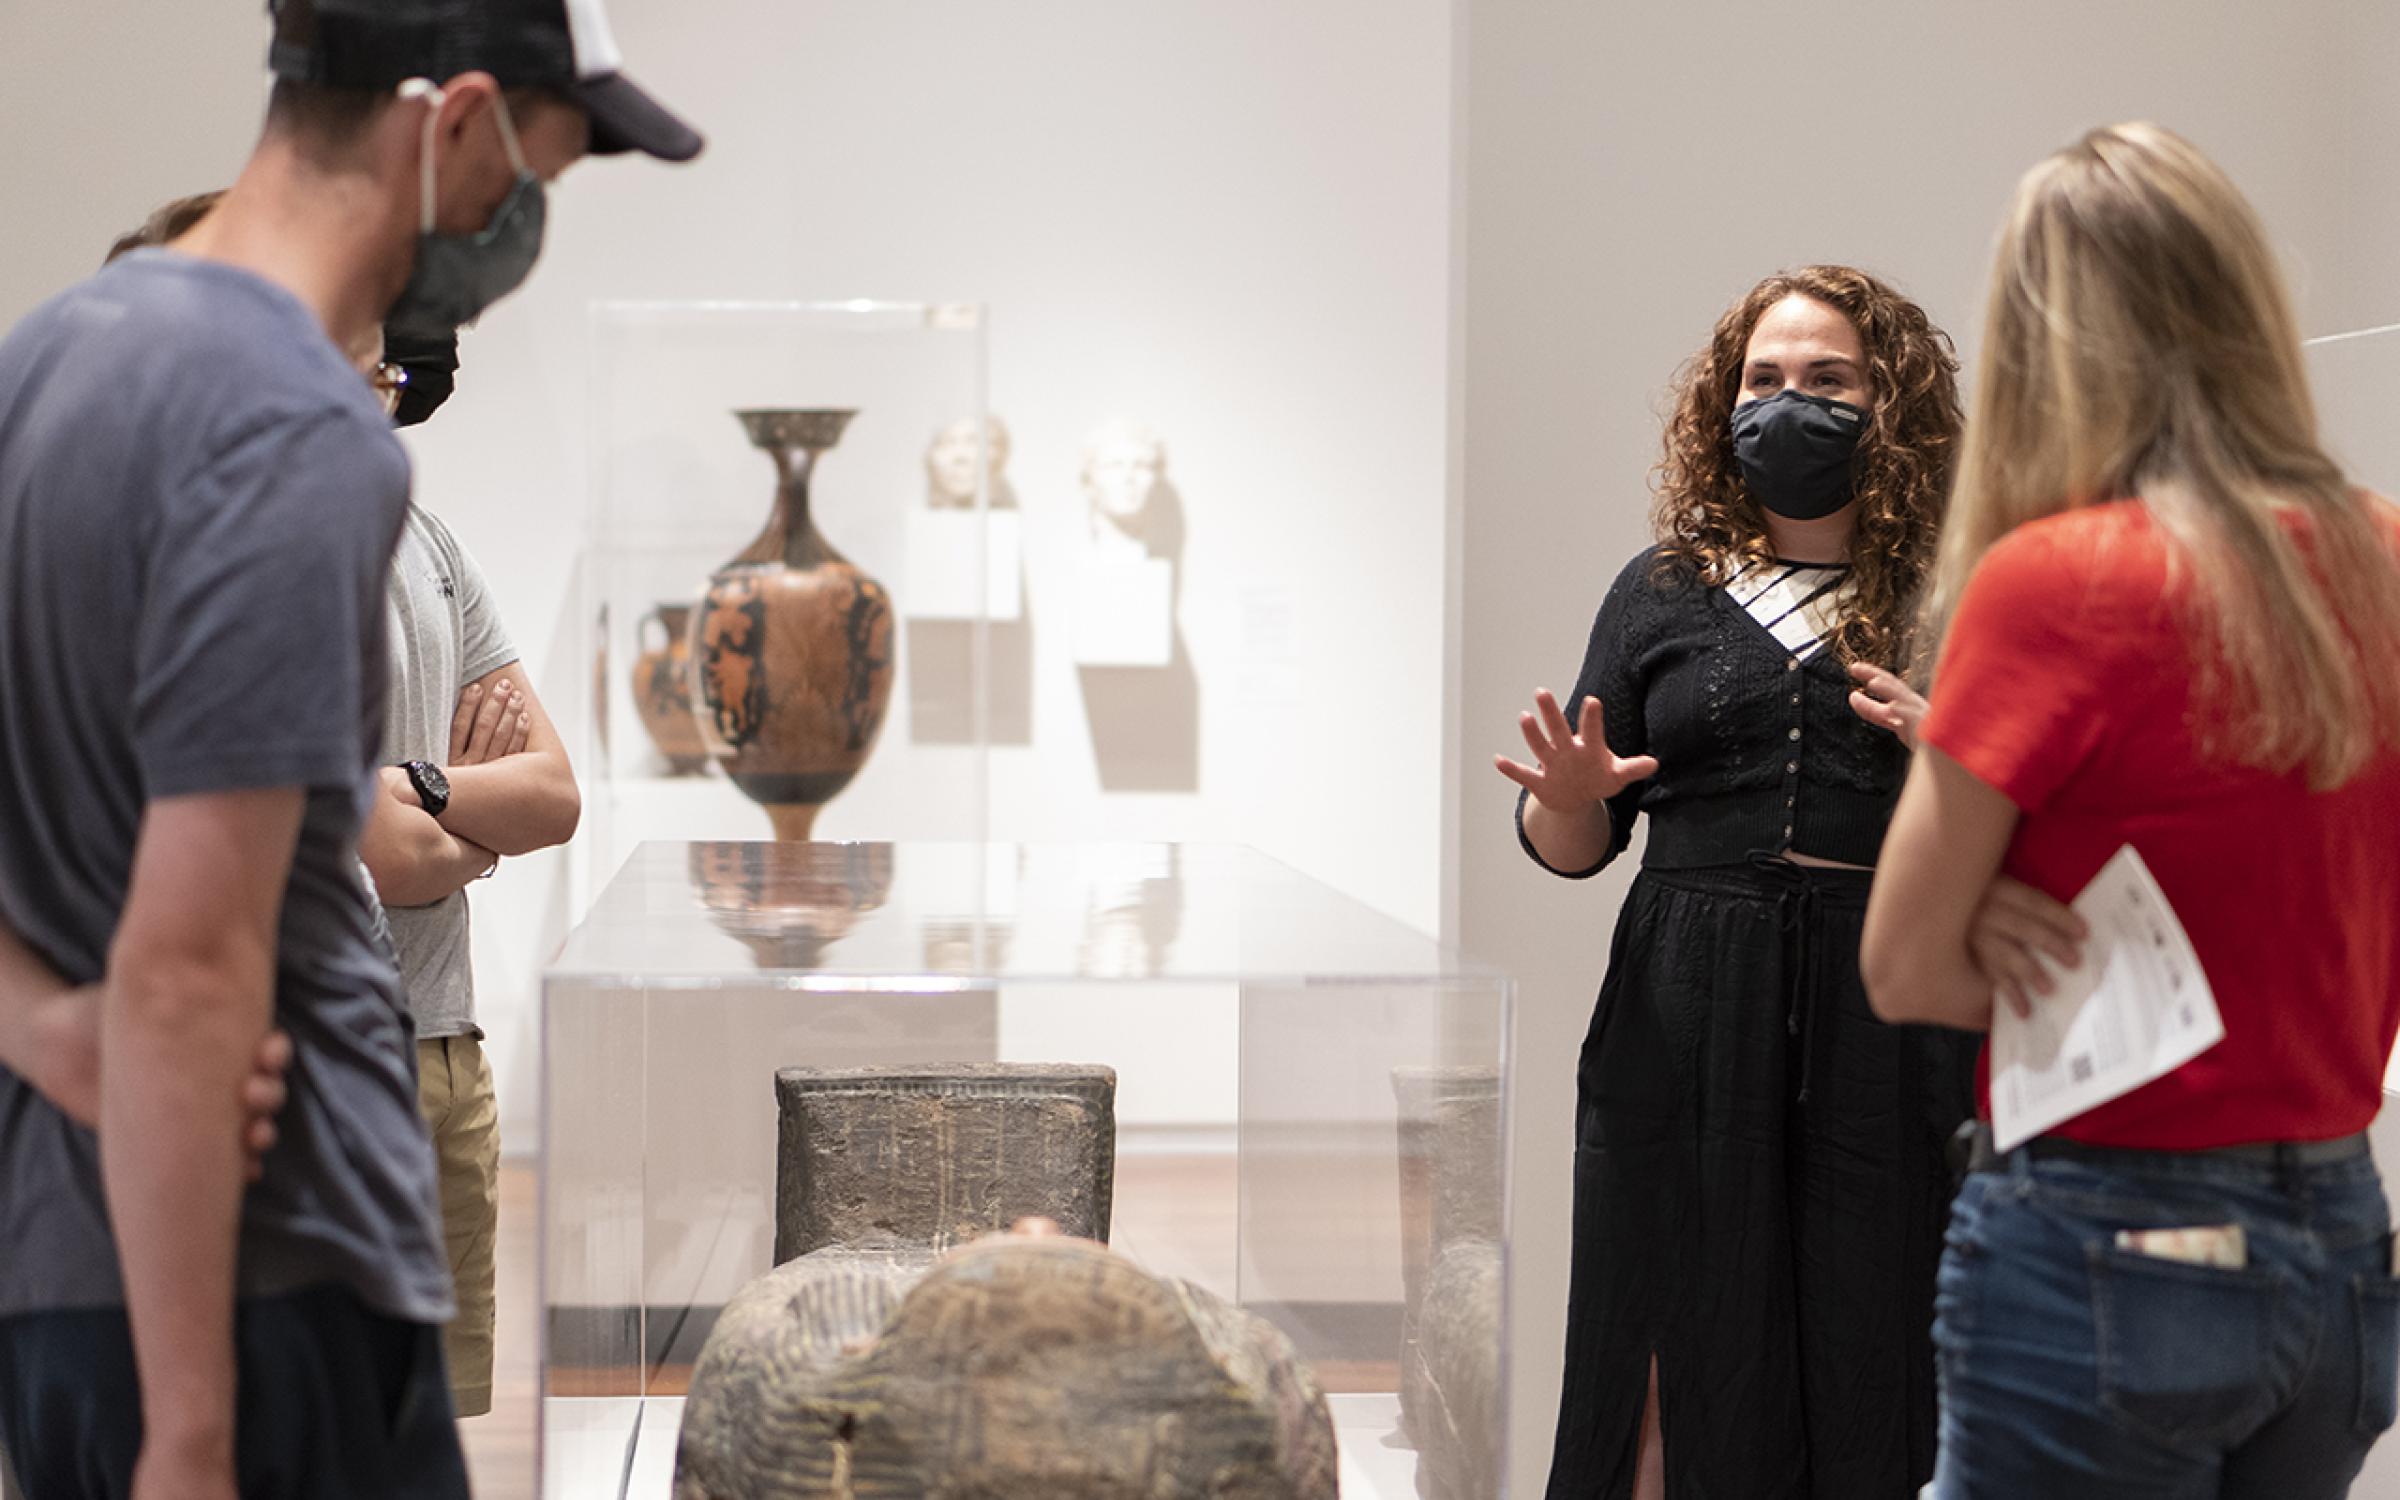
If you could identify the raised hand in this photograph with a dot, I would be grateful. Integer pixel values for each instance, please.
(1886, 702)
(1573, 767)
(2015, 926)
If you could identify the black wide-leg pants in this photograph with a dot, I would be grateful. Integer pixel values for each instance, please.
(1761, 1184)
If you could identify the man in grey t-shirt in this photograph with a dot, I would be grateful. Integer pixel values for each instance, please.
(198, 502)
(473, 770)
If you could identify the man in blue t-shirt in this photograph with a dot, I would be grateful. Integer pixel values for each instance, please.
(199, 499)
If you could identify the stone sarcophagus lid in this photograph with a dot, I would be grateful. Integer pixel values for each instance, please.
(1022, 1367)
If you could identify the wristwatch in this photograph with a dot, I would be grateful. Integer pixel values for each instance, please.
(433, 788)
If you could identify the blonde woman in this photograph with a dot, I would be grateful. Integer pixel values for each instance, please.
(2168, 622)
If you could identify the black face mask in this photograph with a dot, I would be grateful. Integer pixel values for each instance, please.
(1796, 452)
(432, 368)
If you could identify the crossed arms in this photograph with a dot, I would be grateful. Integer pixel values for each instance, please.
(512, 791)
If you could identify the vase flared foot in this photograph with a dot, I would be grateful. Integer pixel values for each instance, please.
(795, 822)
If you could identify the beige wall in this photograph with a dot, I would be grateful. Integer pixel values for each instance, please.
(1628, 171)
(114, 107)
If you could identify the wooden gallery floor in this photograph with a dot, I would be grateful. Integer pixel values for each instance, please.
(1171, 1216)
(500, 1447)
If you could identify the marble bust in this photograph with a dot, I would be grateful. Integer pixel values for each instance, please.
(962, 453)
(1124, 463)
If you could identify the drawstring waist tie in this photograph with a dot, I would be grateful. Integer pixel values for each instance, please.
(1801, 894)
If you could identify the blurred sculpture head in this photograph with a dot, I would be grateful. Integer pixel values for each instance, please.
(1704, 515)
(413, 375)
(962, 454)
(168, 223)
(1123, 465)
(2139, 342)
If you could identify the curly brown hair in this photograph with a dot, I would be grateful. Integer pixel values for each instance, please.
(1704, 516)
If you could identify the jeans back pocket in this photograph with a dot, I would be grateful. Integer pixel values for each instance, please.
(2185, 1351)
(2376, 1300)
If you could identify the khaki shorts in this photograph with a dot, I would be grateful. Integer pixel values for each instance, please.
(454, 1090)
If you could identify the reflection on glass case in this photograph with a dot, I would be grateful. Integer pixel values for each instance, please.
(763, 476)
(1017, 1170)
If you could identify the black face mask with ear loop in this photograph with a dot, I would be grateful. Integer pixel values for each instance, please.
(1797, 450)
(431, 365)
(457, 277)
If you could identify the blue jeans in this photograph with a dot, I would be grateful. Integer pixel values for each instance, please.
(2070, 1367)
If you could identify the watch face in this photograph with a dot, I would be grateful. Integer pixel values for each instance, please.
(433, 788)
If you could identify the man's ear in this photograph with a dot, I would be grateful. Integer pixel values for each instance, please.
(463, 101)
(465, 197)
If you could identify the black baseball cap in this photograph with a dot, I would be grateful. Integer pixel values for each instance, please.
(561, 44)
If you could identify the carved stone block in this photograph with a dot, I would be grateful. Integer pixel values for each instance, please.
(1454, 1375)
(1017, 1369)
(934, 1157)
(1449, 1156)
(1452, 1206)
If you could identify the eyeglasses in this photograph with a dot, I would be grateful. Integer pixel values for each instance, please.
(389, 381)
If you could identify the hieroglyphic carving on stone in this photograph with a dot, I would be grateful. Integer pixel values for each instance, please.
(936, 1156)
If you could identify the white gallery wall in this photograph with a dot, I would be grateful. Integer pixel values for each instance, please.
(1227, 220)
(1629, 171)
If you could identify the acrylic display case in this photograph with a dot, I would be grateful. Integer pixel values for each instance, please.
(853, 700)
(1308, 1112)
(2353, 378)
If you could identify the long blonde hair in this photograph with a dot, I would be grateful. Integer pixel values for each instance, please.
(2139, 342)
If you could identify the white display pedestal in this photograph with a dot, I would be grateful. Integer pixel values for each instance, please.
(944, 547)
(623, 1448)
(1125, 612)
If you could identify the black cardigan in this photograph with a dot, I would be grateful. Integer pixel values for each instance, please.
(1757, 750)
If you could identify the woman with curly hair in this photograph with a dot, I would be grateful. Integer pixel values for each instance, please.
(1760, 1165)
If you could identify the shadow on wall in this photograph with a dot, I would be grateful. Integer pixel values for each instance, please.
(1141, 697)
(941, 680)
(1145, 724)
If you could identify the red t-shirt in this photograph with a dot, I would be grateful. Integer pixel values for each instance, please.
(2067, 684)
